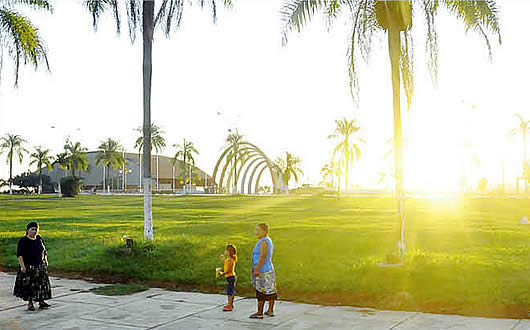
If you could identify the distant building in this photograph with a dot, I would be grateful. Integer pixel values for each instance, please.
(170, 176)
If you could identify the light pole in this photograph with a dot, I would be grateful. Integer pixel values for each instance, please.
(124, 173)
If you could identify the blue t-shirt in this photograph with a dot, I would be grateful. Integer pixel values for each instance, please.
(267, 264)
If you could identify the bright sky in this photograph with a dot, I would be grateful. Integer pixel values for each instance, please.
(280, 98)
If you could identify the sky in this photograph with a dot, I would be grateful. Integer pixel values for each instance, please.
(281, 98)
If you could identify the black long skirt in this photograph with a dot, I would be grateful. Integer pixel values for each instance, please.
(33, 285)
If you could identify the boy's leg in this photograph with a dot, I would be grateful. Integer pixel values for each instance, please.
(261, 304)
(231, 301)
(271, 306)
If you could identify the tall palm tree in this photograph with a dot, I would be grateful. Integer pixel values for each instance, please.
(233, 141)
(158, 142)
(290, 168)
(41, 157)
(524, 130)
(76, 154)
(13, 144)
(110, 155)
(394, 18)
(185, 152)
(348, 148)
(19, 35)
(169, 15)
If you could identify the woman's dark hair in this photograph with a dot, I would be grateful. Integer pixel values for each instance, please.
(232, 251)
(31, 225)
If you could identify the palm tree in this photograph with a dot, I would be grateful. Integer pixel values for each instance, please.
(41, 157)
(185, 152)
(158, 142)
(349, 144)
(524, 130)
(20, 36)
(110, 156)
(12, 143)
(233, 141)
(63, 161)
(169, 15)
(76, 155)
(332, 171)
(395, 19)
(289, 167)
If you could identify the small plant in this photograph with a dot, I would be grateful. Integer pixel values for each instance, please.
(70, 186)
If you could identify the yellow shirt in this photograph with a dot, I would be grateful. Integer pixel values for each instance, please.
(230, 267)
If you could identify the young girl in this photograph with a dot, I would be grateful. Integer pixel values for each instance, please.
(230, 260)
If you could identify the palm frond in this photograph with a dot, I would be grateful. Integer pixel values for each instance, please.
(430, 9)
(22, 40)
(35, 4)
(134, 17)
(297, 13)
(477, 15)
(360, 41)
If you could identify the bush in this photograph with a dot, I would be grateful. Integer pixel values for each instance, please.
(70, 186)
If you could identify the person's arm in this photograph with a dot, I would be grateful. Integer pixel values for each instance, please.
(20, 257)
(264, 247)
(44, 254)
(21, 263)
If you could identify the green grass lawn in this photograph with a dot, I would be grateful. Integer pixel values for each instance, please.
(468, 257)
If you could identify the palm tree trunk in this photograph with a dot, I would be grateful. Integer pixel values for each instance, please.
(394, 45)
(148, 27)
(11, 173)
(40, 182)
(346, 175)
(108, 174)
(524, 146)
(184, 171)
(524, 162)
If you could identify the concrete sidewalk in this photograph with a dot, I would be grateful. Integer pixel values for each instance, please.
(74, 307)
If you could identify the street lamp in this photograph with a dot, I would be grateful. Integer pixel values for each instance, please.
(124, 173)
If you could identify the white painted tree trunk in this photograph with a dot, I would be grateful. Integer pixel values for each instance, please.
(148, 27)
(148, 213)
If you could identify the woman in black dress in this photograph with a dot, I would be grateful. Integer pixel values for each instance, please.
(32, 283)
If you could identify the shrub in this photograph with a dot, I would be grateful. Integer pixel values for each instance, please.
(70, 186)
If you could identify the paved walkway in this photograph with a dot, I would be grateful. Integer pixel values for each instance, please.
(74, 307)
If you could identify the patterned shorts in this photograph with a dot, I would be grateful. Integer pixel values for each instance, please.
(265, 284)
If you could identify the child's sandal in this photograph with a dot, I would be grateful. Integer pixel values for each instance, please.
(269, 314)
(228, 308)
